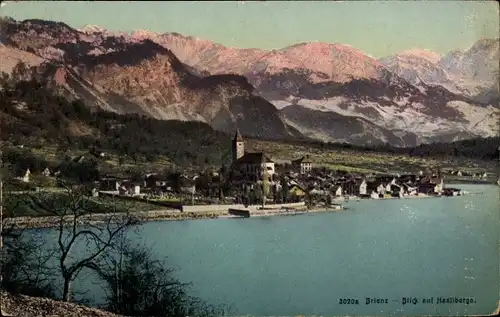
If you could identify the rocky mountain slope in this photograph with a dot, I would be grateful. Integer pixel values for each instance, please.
(473, 72)
(34, 115)
(328, 125)
(405, 100)
(411, 95)
(115, 74)
(420, 66)
(416, 114)
(10, 57)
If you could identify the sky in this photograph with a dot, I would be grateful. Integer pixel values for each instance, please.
(379, 28)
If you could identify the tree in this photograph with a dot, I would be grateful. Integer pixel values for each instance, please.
(275, 193)
(6, 81)
(150, 157)
(76, 226)
(137, 284)
(176, 180)
(257, 192)
(265, 188)
(84, 172)
(309, 197)
(252, 196)
(284, 189)
(20, 71)
(223, 172)
(329, 200)
(24, 266)
(23, 263)
(136, 175)
(203, 183)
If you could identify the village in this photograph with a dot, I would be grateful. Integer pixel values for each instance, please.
(255, 182)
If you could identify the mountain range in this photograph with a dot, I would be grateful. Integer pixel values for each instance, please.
(330, 92)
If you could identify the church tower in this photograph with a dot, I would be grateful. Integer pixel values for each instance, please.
(238, 146)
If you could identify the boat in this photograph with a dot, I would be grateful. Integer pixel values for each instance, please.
(498, 181)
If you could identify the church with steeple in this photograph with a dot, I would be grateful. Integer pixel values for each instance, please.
(249, 165)
(238, 146)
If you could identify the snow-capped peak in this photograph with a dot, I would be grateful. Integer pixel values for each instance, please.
(143, 34)
(91, 28)
(426, 54)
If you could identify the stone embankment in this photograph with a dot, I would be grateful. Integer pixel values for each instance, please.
(284, 209)
(218, 208)
(25, 306)
(198, 212)
(154, 215)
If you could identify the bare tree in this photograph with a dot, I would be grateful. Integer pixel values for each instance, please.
(23, 258)
(139, 285)
(25, 266)
(21, 265)
(74, 214)
(2, 313)
(2, 172)
(258, 193)
(285, 189)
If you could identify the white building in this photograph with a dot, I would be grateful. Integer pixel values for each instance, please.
(129, 189)
(24, 176)
(46, 172)
(362, 188)
(381, 189)
(303, 165)
(338, 191)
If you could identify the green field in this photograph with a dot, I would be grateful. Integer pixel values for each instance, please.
(111, 161)
(365, 162)
(27, 204)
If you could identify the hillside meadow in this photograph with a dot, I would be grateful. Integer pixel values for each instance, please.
(348, 160)
(360, 161)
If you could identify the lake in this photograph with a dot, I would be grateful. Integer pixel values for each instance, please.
(304, 264)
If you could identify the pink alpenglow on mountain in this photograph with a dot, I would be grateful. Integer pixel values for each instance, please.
(340, 62)
(332, 92)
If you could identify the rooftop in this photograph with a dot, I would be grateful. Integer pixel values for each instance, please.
(237, 136)
(254, 158)
(304, 159)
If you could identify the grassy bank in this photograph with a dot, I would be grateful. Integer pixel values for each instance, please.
(28, 204)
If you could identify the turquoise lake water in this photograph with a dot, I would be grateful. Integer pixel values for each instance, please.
(387, 249)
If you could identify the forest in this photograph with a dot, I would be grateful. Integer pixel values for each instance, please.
(34, 114)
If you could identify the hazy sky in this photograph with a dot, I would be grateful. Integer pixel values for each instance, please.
(378, 28)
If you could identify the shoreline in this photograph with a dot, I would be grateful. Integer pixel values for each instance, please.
(44, 222)
(41, 222)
